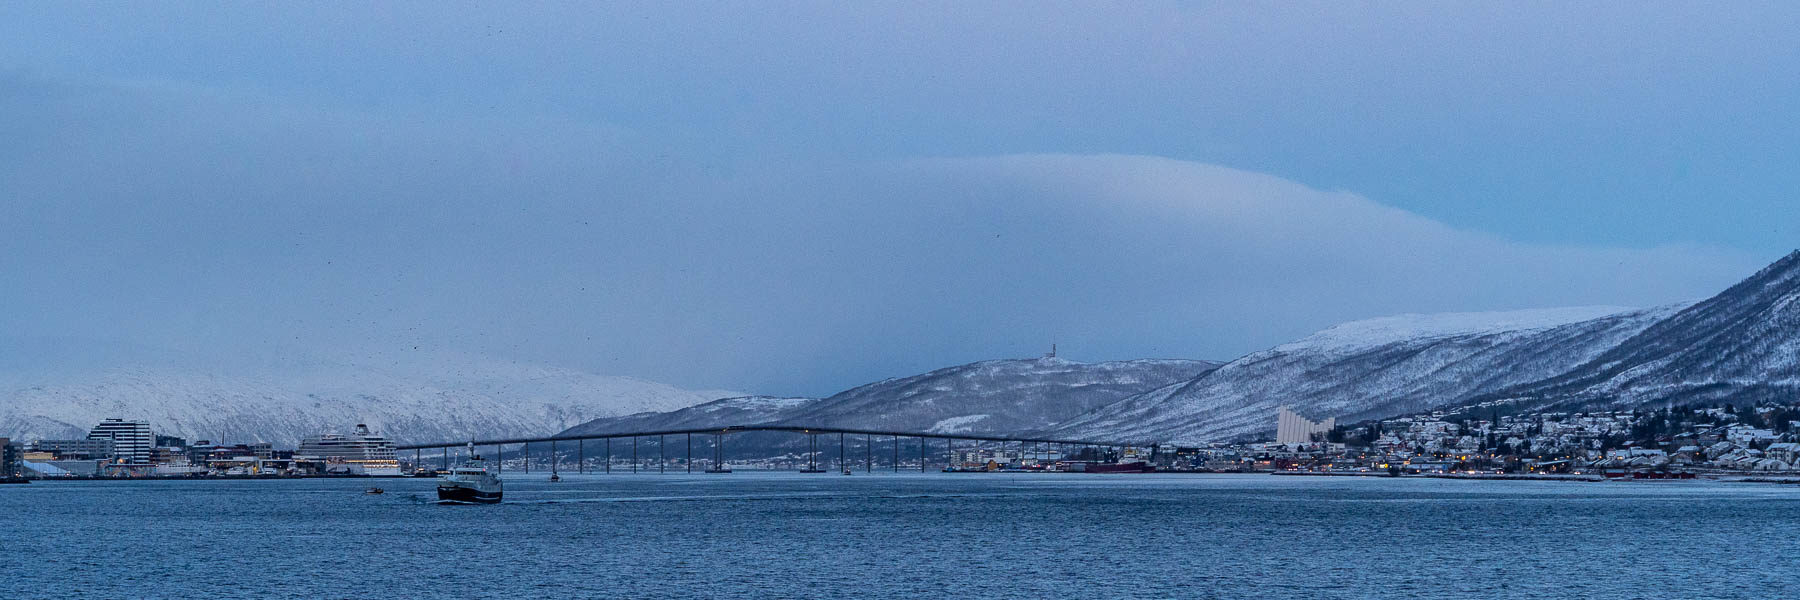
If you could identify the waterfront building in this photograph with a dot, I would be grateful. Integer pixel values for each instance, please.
(1291, 428)
(87, 449)
(222, 452)
(131, 440)
(199, 451)
(1787, 452)
(362, 452)
(60, 468)
(167, 456)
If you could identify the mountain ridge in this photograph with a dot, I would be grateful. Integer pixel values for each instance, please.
(1001, 395)
(444, 398)
(1319, 376)
(1740, 345)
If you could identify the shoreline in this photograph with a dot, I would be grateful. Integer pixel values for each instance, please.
(1583, 478)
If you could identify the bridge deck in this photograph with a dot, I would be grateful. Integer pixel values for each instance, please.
(781, 428)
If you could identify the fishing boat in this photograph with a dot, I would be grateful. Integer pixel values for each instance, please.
(470, 483)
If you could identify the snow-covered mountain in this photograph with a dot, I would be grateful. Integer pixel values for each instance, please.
(1740, 346)
(1368, 369)
(996, 396)
(444, 398)
(1007, 396)
(744, 410)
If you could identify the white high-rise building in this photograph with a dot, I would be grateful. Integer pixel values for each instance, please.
(131, 440)
(1291, 428)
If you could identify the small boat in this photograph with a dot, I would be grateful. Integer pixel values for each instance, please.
(14, 479)
(555, 478)
(374, 491)
(812, 470)
(470, 483)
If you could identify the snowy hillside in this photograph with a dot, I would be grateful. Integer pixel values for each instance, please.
(1366, 369)
(744, 410)
(1742, 345)
(1011, 396)
(1384, 331)
(446, 398)
(996, 396)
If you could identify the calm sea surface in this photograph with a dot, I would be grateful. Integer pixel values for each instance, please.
(941, 536)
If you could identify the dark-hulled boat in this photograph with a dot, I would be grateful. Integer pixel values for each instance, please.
(470, 483)
(1120, 467)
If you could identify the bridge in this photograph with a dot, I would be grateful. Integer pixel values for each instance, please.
(1039, 446)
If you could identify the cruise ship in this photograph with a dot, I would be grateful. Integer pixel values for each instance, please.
(360, 453)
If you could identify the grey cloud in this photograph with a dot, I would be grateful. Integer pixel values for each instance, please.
(228, 225)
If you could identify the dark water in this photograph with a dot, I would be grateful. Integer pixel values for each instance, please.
(940, 536)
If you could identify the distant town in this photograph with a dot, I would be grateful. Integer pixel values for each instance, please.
(120, 448)
(1674, 442)
(1670, 443)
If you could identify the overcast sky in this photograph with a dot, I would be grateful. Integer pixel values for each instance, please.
(798, 198)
